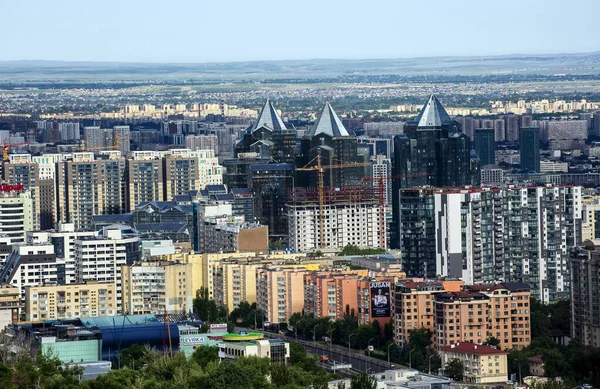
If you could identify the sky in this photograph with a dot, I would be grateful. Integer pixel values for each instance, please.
(196, 31)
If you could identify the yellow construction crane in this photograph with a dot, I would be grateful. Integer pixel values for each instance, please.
(115, 146)
(320, 169)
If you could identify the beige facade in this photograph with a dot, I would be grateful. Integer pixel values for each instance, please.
(481, 364)
(9, 305)
(145, 183)
(482, 311)
(234, 282)
(181, 173)
(70, 301)
(590, 217)
(156, 287)
(280, 292)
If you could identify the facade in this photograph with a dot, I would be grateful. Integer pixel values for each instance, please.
(585, 309)
(181, 173)
(280, 292)
(485, 146)
(492, 235)
(10, 304)
(332, 295)
(122, 139)
(21, 170)
(250, 344)
(233, 281)
(157, 287)
(202, 142)
(209, 170)
(382, 169)
(492, 175)
(529, 142)
(231, 234)
(590, 221)
(482, 364)
(56, 302)
(351, 215)
(432, 151)
(101, 258)
(145, 181)
(16, 212)
(482, 311)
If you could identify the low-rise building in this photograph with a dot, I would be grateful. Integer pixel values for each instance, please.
(252, 344)
(56, 302)
(10, 304)
(482, 364)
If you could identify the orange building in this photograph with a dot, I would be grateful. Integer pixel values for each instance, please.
(375, 300)
(331, 294)
(413, 305)
(482, 311)
(280, 292)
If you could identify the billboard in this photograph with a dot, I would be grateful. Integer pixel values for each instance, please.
(380, 299)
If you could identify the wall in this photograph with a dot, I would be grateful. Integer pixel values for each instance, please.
(76, 351)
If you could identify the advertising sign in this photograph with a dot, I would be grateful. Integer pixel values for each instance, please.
(221, 327)
(380, 299)
(194, 340)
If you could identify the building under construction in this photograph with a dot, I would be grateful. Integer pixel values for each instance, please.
(335, 217)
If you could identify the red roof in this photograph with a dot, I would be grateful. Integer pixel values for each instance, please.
(472, 348)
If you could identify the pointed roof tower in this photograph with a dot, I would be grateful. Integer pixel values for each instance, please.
(328, 123)
(270, 118)
(432, 114)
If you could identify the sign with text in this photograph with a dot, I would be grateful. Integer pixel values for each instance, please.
(380, 299)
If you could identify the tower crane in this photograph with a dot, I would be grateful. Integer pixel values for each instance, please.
(320, 169)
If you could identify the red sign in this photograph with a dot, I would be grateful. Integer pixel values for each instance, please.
(10, 188)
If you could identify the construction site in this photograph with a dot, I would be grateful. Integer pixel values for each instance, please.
(327, 218)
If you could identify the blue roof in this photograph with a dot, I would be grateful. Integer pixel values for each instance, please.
(119, 321)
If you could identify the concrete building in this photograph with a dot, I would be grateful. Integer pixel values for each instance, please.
(181, 173)
(529, 143)
(492, 234)
(553, 167)
(16, 212)
(122, 139)
(585, 310)
(482, 364)
(10, 304)
(202, 142)
(590, 221)
(57, 302)
(331, 294)
(382, 169)
(251, 344)
(482, 311)
(566, 134)
(63, 239)
(210, 172)
(351, 216)
(280, 292)
(101, 258)
(21, 170)
(413, 306)
(145, 178)
(492, 174)
(234, 281)
(157, 287)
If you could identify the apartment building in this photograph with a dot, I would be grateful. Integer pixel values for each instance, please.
(10, 304)
(483, 311)
(101, 258)
(585, 306)
(56, 302)
(145, 178)
(482, 235)
(157, 287)
(16, 212)
(280, 292)
(63, 239)
(482, 364)
(21, 170)
(181, 173)
(590, 221)
(331, 294)
(413, 305)
(350, 217)
(234, 281)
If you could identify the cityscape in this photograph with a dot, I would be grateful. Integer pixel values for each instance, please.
(251, 218)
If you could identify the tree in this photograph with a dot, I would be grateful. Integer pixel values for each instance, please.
(204, 355)
(281, 374)
(492, 342)
(454, 369)
(205, 308)
(134, 357)
(363, 381)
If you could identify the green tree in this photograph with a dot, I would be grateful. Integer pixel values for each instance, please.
(281, 374)
(204, 355)
(454, 369)
(363, 381)
(134, 357)
(492, 342)
(205, 308)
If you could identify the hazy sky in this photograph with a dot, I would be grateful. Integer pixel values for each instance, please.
(237, 30)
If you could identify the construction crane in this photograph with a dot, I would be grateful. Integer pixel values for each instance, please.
(115, 146)
(320, 169)
(7, 147)
(381, 190)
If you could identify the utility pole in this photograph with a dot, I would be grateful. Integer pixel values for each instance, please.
(410, 358)
(388, 352)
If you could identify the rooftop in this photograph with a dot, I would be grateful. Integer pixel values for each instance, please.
(269, 117)
(328, 123)
(472, 348)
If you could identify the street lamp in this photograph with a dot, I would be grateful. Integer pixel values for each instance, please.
(388, 351)
(330, 338)
(410, 358)
(255, 310)
(296, 328)
(314, 331)
(349, 338)
(369, 346)
(431, 356)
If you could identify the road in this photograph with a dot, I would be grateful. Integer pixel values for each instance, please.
(335, 353)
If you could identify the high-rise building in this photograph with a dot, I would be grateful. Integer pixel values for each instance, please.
(529, 142)
(382, 169)
(585, 310)
(485, 146)
(518, 234)
(145, 181)
(331, 295)
(93, 137)
(280, 292)
(590, 221)
(329, 141)
(122, 139)
(100, 258)
(512, 128)
(432, 151)
(596, 124)
(234, 281)
(181, 173)
(69, 131)
(350, 216)
(270, 185)
(202, 142)
(209, 170)
(21, 170)
(16, 212)
(268, 137)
